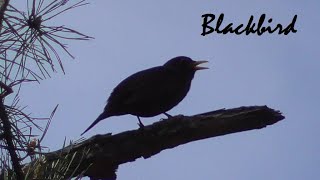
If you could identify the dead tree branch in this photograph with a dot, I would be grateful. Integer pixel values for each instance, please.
(100, 156)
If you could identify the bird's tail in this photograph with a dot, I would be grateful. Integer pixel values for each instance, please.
(100, 117)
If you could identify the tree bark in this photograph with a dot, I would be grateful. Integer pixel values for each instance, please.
(100, 156)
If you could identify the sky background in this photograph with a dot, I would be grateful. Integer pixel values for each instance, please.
(279, 71)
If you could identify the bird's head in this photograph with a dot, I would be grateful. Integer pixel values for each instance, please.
(185, 66)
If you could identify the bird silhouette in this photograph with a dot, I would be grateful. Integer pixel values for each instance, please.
(152, 91)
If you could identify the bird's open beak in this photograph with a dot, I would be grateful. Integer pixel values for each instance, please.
(196, 67)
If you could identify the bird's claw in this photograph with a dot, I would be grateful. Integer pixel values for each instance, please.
(141, 126)
(168, 115)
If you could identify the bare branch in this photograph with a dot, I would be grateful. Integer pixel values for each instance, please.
(3, 8)
(7, 90)
(100, 156)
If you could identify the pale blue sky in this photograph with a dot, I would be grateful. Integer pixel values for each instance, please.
(279, 71)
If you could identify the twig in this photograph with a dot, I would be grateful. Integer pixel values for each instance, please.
(2, 10)
(7, 90)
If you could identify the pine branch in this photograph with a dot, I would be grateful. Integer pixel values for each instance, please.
(100, 156)
(4, 119)
(8, 137)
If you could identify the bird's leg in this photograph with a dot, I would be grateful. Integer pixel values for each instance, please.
(168, 115)
(140, 123)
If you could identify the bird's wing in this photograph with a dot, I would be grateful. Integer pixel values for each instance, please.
(140, 84)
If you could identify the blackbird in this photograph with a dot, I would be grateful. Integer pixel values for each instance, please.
(152, 91)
